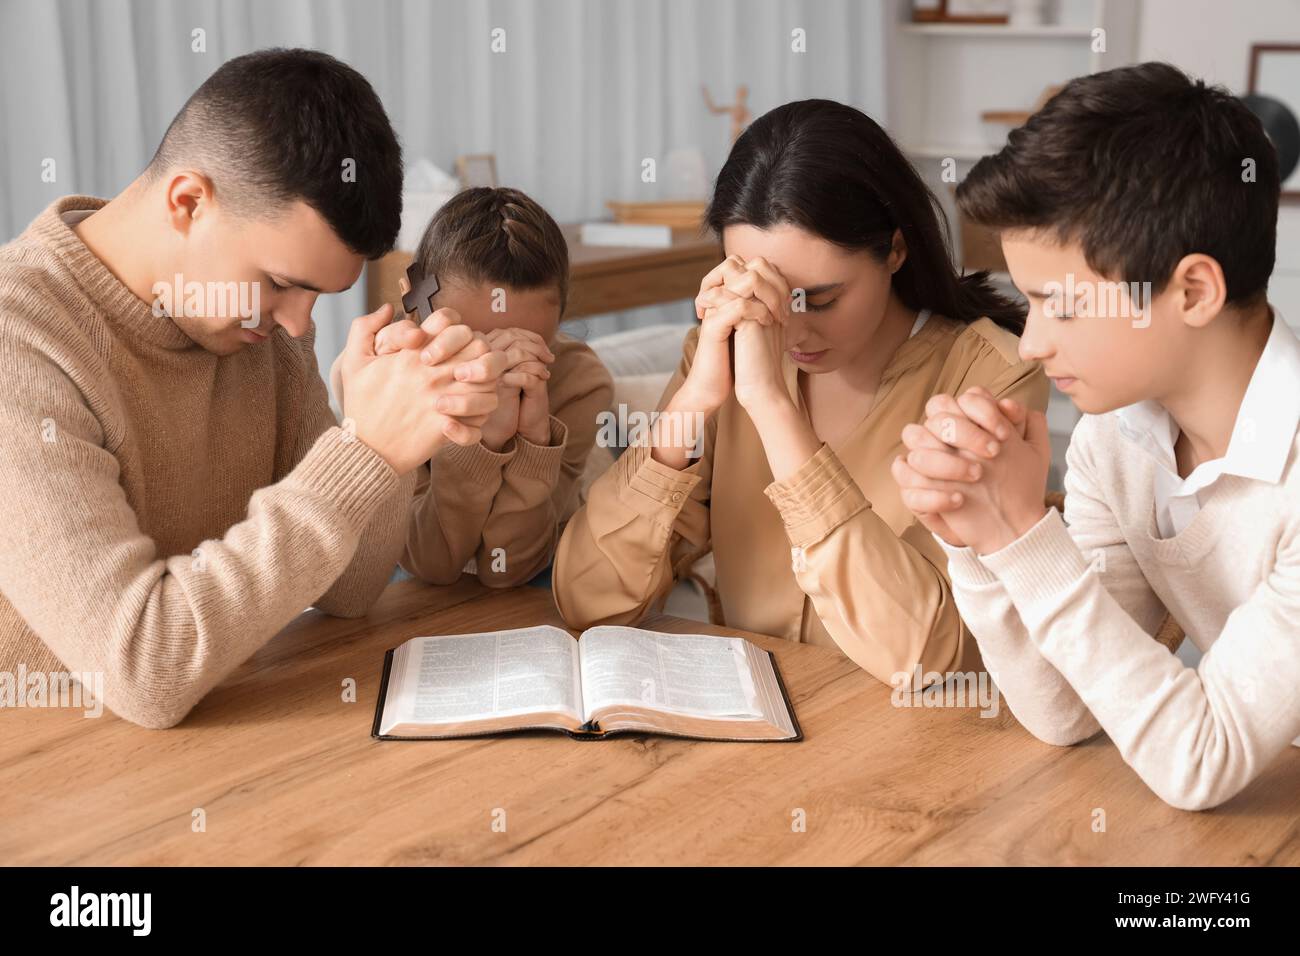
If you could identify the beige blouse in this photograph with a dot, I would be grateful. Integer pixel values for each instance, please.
(868, 578)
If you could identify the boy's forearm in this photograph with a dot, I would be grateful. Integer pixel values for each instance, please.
(1041, 699)
(1196, 736)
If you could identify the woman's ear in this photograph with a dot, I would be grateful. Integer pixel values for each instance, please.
(897, 252)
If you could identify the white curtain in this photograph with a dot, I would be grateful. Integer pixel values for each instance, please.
(585, 90)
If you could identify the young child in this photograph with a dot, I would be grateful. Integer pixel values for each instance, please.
(1183, 488)
(502, 267)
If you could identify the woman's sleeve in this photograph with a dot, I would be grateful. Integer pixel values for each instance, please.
(619, 553)
(885, 599)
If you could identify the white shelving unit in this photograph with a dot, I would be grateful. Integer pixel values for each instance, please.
(1010, 31)
(942, 76)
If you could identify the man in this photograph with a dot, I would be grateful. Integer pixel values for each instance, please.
(177, 488)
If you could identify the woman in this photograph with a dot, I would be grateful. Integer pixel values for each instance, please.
(839, 301)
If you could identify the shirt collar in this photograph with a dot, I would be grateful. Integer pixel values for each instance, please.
(1266, 422)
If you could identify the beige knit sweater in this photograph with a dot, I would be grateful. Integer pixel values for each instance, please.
(166, 510)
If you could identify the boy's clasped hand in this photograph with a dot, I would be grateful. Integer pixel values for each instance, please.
(975, 473)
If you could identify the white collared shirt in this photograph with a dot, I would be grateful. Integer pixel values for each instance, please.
(921, 318)
(1261, 436)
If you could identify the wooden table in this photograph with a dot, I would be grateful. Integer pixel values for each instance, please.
(286, 773)
(601, 278)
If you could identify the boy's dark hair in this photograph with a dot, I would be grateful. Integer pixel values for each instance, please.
(1141, 166)
(276, 126)
(496, 234)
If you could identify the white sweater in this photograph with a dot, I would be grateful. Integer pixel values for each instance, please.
(1063, 617)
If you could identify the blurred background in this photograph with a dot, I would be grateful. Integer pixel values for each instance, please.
(567, 99)
(582, 92)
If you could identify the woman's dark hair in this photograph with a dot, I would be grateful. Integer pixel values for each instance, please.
(831, 170)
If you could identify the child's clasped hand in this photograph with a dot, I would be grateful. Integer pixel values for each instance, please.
(975, 471)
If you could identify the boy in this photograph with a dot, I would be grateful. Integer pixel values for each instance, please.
(1138, 215)
(497, 506)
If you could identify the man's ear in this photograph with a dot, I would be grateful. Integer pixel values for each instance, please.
(189, 196)
(1199, 288)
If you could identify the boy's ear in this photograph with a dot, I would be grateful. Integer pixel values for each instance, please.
(1201, 290)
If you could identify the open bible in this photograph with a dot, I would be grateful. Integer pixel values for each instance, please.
(611, 680)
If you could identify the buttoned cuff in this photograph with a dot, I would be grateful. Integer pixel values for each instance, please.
(540, 461)
(819, 497)
(1040, 564)
(650, 487)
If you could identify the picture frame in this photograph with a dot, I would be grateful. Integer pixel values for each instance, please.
(1275, 73)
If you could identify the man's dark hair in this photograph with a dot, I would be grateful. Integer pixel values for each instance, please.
(1141, 166)
(276, 126)
(496, 234)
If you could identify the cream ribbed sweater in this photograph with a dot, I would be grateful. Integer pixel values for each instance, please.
(167, 511)
(1063, 617)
